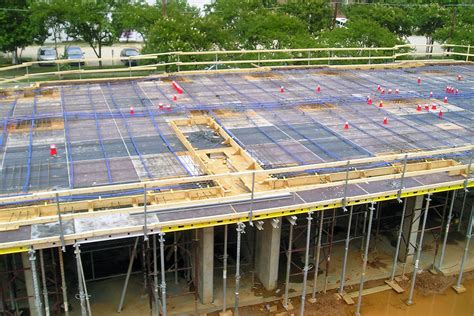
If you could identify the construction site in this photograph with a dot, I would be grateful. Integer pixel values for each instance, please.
(194, 193)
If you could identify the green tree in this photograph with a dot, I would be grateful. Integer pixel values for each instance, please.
(137, 16)
(428, 19)
(360, 33)
(459, 31)
(180, 30)
(316, 14)
(258, 24)
(91, 22)
(394, 18)
(52, 15)
(19, 27)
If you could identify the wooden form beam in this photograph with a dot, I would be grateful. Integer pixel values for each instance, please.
(179, 225)
(14, 224)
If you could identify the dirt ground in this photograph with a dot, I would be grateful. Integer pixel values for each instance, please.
(330, 304)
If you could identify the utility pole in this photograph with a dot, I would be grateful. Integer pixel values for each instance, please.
(163, 7)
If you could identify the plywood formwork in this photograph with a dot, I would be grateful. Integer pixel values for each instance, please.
(208, 143)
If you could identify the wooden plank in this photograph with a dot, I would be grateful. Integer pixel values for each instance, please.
(372, 290)
(395, 286)
(347, 298)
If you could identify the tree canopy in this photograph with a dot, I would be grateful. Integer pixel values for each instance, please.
(233, 24)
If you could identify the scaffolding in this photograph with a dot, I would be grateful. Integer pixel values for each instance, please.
(135, 158)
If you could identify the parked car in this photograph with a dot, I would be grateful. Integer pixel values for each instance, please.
(46, 54)
(341, 22)
(74, 52)
(129, 52)
(218, 67)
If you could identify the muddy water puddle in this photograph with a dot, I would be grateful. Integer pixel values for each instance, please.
(444, 304)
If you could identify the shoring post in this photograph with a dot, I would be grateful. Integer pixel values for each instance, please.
(45, 285)
(36, 284)
(216, 60)
(240, 230)
(369, 57)
(463, 205)
(63, 282)
(306, 263)
(144, 270)
(81, 294)
(224, 272)
(61, 228)
(292, 221)
(318, 253)
(129, 67)
(85, 287)
(468, 174)
(399, 193)
(309, 57)
(458, 287)
(145, 219)
(155, 277)
(27, 74)
(127, 277)
(163, 276)
(468, 52)
(364, 226)
(399, 239)
(258, 59)
(364, 264)
(418, 252)
(346, 250)
(329, 253)
(446, 231)
(175, 253)
(251, 199)
(346, 184)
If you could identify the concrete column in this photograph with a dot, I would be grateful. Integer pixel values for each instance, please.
(267, 254)
(411, 225)
(206, 264)
(25, 259)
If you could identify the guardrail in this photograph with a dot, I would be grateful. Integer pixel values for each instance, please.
(214, 60)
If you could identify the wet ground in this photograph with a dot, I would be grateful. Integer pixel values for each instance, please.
(384, 303)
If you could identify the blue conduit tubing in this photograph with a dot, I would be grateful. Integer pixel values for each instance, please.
(150, 176)
(30, 148)
(389, 97)
(332, 132)
(5, 123)
(328, 153)
(68, 141)
(99, 135)
(344, 119)
(158, 130)
(141, 191)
